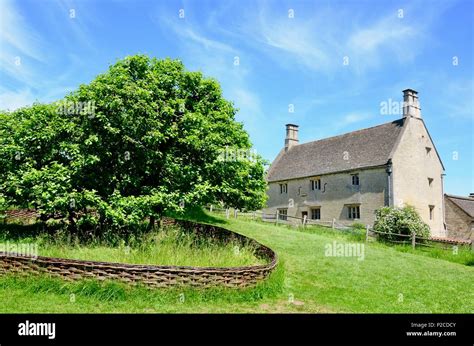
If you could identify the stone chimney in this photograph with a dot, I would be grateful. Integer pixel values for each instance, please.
(291, 136)
(411, 105)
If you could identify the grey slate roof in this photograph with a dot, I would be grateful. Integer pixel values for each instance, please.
(365, 148)
(465, 203)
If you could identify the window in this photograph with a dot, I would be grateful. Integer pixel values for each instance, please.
(428, 150)
(283, 188)
(316, 214)
(316, 184)
(355, 179)
(431, 211)
(354, 212)
(282, 214)
(430, 180)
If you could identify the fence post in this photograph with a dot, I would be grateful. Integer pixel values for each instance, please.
(210, 208)
(227, 213)
(472, 239)
(366, 233)
(305, 219)
(413, 240)
(276, 217)
(333, 223)
(253, 216)
(235, 213)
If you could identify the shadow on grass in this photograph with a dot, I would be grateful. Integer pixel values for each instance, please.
(199, 215)
(17, 232)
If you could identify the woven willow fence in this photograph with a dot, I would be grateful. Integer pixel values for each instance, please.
(151, 275)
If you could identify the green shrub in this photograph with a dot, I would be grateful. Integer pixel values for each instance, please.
(396, 221)
(358, 226)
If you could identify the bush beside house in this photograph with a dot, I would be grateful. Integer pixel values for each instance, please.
(394, 221)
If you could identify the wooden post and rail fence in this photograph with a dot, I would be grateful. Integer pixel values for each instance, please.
(277, 219)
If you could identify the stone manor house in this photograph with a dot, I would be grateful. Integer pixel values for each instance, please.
(348, 177)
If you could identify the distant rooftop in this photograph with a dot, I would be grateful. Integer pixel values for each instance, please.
(465, 203)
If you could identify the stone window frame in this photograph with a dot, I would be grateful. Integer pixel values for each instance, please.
(282, 214)
(313, 213)
(355, 179)
(315, 184)
(353, 210)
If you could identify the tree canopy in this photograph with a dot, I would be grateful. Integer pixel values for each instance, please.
(143, 139)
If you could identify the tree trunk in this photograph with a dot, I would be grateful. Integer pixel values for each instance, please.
(72, 222)
(151, 224)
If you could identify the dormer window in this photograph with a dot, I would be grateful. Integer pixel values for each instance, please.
(355, 179)
(316, 184)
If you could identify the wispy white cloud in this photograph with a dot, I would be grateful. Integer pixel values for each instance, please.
(203, 41)
(249, 104)
(354, 118)
(291, 41)
(26, 58)
(12, 100)
(215, 58)
(387, 40)
(76, 23)
(25, 96)
(17, 35)
(321, 42)
(20, 46)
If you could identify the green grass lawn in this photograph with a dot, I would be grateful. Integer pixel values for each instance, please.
(386, 280)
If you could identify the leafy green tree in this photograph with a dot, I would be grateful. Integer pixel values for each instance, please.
(143, 139)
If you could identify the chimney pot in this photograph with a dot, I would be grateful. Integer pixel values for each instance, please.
(291, 136)
(411, 104)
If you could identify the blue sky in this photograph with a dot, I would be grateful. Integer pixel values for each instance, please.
(334, 62)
